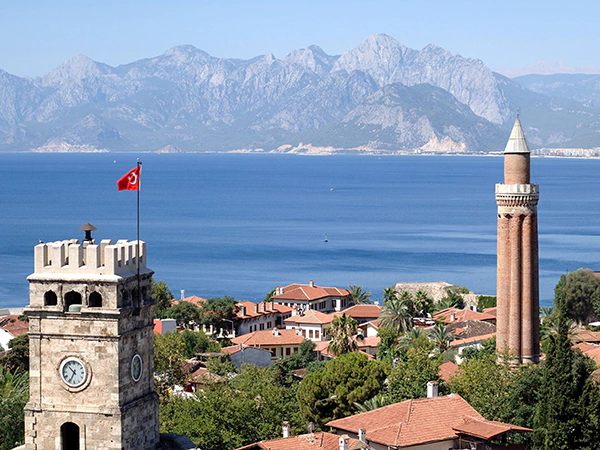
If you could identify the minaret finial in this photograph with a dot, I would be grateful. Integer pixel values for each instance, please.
(518, 112)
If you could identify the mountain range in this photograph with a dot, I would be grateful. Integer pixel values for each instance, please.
(380, 96)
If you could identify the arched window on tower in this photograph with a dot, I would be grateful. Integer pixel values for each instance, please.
(69, 436)
(135, 298)
(72, 298)
(50, 299)
(145, 298)
(95, 300)
(125, 298)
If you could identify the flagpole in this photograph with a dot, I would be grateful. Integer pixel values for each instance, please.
(139, 302)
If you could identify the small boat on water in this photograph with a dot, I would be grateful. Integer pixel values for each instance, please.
(326, 240)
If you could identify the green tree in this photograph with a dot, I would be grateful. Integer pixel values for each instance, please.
(409, 377)
(423, 303)
(221, 365)
(169, 363)
(269, 295)
(341, 332)
(373, 403)
(578, 294)
(301, 359)
(483, 383)
(247, 408)
(187, 315)
(389, 293)
(388, 344)
(485, 301)
(566, 413)
(162, 296)
(14, 393)
(358, 296)
(197, 342)
(351, 378)
(219, 312)
(441, 337)
(415, 338)
(397, 313)
(17, 359)
(453, 299)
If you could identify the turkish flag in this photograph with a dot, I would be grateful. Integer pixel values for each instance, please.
(130, 181)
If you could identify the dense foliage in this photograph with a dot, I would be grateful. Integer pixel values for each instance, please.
(351, 378)
(578, 295)
(14, 393)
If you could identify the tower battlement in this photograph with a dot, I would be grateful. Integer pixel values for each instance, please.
(73, 258)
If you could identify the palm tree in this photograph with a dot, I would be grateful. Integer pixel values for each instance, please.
(423, 304)
(441, 337)
(358, 296)
(389, 293)
(414, 338)
(397, 314)
(373, 403)
(341, 332)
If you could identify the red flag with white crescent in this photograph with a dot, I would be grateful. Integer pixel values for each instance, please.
(130, 181)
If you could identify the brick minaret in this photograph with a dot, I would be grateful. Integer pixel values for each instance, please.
(518, 278)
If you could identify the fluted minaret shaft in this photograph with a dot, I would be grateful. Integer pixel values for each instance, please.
(517, 270)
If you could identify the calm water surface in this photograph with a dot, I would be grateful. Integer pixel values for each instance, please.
(239, 225)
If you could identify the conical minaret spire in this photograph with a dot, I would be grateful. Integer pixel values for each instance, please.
(518, 275)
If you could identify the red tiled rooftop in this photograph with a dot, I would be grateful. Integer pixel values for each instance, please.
(488, 429)
(262, 307)
(309, 292)
(311, 317)
(14, 325)
(198, 301)
(270, 339)
(461, 315)
(586, 336)
(447, 370)
(471, 340)
(362, 311)
(232, 349)
(411, 422)
(323, 440)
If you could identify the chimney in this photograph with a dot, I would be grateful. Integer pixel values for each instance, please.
(242, 310)
(452, 317)
(362, 435)
(294, 310)
(432, 389)
(256, 308)
(182, 294)
(261, 306)
(344, 442)
(312, 283)
(299, 332)
(275, 332)
(286, 430)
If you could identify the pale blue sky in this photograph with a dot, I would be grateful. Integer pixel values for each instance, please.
(36, 36)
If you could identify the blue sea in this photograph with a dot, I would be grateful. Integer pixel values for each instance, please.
(241, 224)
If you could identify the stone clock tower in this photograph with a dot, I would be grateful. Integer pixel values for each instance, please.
(91, 348)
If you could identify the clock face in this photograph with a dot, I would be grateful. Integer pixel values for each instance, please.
(136, 367)
(72, 372)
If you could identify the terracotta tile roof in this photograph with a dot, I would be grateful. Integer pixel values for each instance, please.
(586, 336)
(14, 325)
(493, 311)
(470, 328)
(471, 340)
(269, 338)
(269, 308)
(447, 370)
(232, 349)
(593, 353)
(309, 292)
(311, 317)
(362, 311)
(202, 375)
(368, 342)
(412, 422)
(198, 301)
(460, 315)
(373, 323)
(488, 429)
(584, 346)
(327, 441)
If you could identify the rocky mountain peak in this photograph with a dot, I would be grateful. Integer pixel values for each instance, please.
(312, 58)
(76, 68)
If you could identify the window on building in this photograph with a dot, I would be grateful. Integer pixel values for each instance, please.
(69, 435)
(317, 332)
(72, 298)
(288, 351)
(262, 326)
(50, 299)
(269, 325)
(95, 300)
(310, 334)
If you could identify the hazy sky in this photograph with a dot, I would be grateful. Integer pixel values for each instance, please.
(36, 36)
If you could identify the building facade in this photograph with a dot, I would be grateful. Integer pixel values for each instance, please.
(517, 258)
(91, 348)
